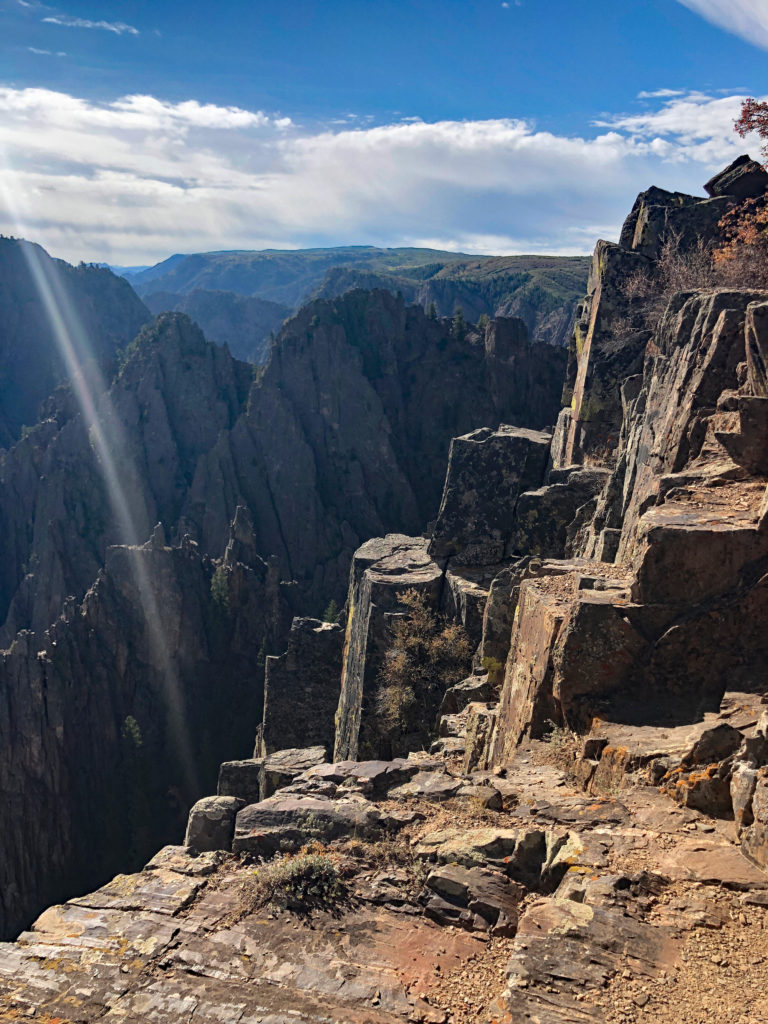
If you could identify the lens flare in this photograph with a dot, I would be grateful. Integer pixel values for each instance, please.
(115, 465)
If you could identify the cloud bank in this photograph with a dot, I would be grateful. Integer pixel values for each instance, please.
(745, 18)
(137, 179)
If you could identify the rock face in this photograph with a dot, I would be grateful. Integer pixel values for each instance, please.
(301, 688)
(487, 470)
(167, 406)
(114, 721)
(383, 570)
(244, 323)
(343, 437)
(100, 314)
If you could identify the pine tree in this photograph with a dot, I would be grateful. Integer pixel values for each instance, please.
(459, 324)
(331, 613)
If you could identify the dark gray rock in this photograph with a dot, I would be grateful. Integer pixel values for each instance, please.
(487, 471)
(474, 898)
(283, 766)
(302, 687)
(286, 822)
(743, 179)
(383, 571)
(242, 779)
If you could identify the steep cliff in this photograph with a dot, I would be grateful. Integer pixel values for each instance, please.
(343, 436)
(166, 407)
(115, 720)
(97, 314)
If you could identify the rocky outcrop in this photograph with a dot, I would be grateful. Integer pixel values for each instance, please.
(383, 571)
(343, 437)
(743, 179)
(487, 471)
(168, 405)
(301, 688)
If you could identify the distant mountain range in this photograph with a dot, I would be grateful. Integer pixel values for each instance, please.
(542, 290)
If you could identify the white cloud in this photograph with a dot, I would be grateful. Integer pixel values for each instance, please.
(118, 27)
(745, 18)
(46, 53)
(661, 94)
(139, 178)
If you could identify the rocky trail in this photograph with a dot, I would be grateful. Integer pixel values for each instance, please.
(480, 897)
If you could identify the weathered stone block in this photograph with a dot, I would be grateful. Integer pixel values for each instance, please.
(487, 471)
(742, 179)
(683, 560)
(383, 571)
(754, 840)
(212, 823)
(302, 686)
(282, 767)
(242, 779)
(481, 720)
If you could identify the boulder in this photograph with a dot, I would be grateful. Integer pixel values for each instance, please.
(519, 853)
(743, 784)
(481, 721)
(458, 696)
(372, 778)
(474, 898)
(211, 823)
(288, 822)
(742, 179)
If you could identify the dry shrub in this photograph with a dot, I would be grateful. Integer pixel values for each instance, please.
(676, 270)
(742, 260)
(564, 746)
(308, 880)
(427, 655)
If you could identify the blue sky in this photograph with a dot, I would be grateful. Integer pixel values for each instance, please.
(131, 130)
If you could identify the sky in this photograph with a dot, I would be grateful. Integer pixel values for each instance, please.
(131, 131)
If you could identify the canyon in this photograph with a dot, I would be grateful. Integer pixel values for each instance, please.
(557, 811)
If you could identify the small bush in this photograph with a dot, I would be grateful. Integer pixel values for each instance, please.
(301, 882)
(565, 745)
